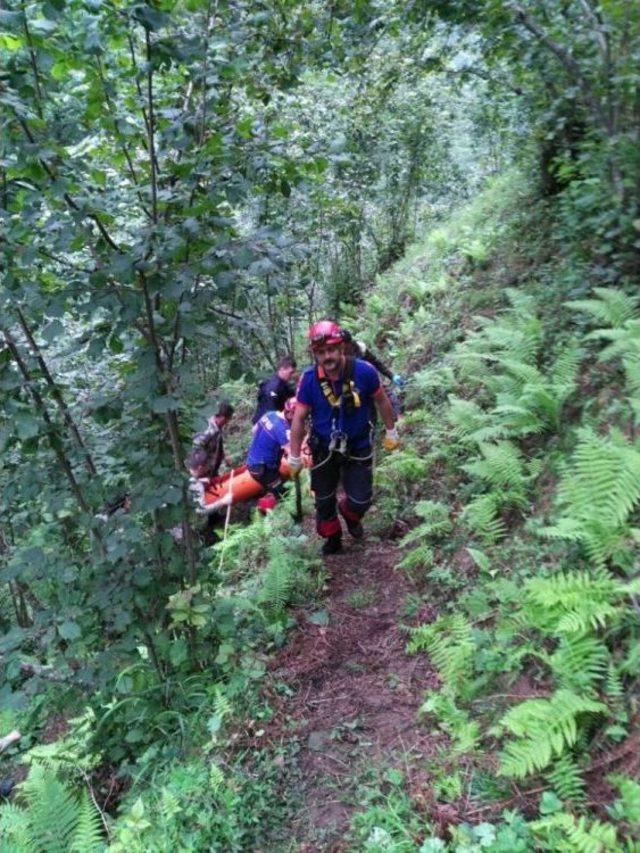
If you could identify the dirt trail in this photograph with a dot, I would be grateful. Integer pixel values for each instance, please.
(356, 691)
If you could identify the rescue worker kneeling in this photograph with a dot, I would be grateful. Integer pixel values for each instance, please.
(338, 393)
(270, 437)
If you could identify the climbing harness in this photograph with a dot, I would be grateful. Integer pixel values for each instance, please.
(349, 394)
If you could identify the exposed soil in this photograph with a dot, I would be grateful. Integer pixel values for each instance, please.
(357, 692)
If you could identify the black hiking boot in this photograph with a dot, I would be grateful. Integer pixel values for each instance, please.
(355, 528)
(332, 545)
(354, 525)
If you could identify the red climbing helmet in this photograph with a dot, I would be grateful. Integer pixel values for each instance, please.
(290, 408)
(325, 332)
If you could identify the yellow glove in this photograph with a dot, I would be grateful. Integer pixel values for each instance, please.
(295, 465)
(391, 440)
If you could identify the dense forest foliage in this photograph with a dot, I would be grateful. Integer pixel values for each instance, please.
(184, 186)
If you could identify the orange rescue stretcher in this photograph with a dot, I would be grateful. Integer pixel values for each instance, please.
(233, 487)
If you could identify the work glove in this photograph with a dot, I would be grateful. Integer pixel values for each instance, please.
(295, 465)
(398, 381)
(391, 440)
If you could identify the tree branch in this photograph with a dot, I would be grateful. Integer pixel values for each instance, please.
(561, 53)
(44, 414)
(56, 393)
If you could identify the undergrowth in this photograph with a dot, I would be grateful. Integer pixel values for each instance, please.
(516, 497)
(523, 505)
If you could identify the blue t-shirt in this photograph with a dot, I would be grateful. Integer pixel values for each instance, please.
(325, 418)
(271, 435)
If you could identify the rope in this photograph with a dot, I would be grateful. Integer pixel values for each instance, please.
(226, 520)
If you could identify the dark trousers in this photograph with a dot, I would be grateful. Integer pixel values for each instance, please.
(269, 478)
(356, 476)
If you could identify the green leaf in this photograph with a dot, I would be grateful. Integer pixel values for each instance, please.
(178, 651)
(550, 803)
(69, 630)
(319, 617)
(161, 405)
(27, 426)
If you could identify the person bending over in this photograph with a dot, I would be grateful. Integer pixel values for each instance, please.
(270, 437)
(208, 453)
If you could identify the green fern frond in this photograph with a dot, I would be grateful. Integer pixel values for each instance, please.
(278, 580)
(14, 829)
(421, 557)
(567, 780)
(403, 466)
(88, 833)
(518, 419)
(53, 818)
(450, 645)
(496, 431)
(583, 835)
(627, 807)
(436, 522)
(545, 728)
(455, 721)
(613, 687)
(502, 465)
(216, 779)
(597, 494)
(222, 707)
(613, 307)
(53, 811)
(564, 372)
(604, 481)
(579, 662)
(572, 602)
(525, 374)
(481, 514)
(523, 304)
(466, 417)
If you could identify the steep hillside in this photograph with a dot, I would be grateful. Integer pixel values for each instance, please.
(514, 495)
(466, 680)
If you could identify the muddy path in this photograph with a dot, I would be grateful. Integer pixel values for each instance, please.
(354, 693)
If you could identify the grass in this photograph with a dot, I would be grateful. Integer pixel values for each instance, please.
(361, 598)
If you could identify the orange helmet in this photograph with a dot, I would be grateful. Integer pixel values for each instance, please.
(325, 332)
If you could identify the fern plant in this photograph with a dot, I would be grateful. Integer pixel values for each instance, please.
(435, 524)
(611, 307)
(579, 663)
(544, 729)
(573, 601)
(564, 831)
(287, 571)
(53, 818)
(627, 807)
(450, 644)
(567, 780)
(502, 470)
(624, 344)
(617, 314)
(455, 721)
(596, 496)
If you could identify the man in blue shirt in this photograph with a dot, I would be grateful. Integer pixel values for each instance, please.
(338, 392)
(270, 437)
